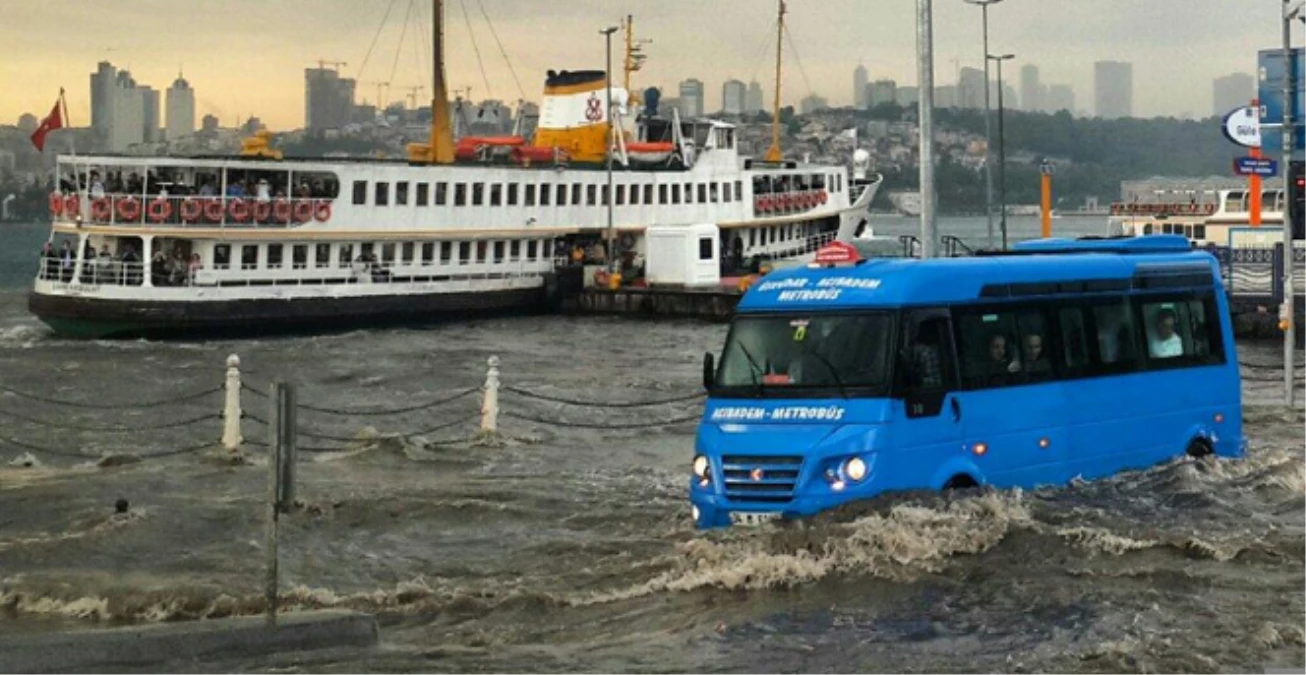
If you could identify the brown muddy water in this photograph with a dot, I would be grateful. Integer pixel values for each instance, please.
(565, 548)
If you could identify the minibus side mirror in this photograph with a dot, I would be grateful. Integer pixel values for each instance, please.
(709, 370)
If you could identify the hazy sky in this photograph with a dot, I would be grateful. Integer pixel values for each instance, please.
(246, 57)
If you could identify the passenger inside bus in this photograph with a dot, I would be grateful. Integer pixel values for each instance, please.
(1164, 342)
(1035, 360)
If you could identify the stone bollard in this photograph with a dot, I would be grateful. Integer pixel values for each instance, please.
(490, 398)
(231, 438)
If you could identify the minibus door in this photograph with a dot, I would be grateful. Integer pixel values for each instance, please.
(930, 433)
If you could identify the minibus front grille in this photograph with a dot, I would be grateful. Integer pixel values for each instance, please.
(761, 478)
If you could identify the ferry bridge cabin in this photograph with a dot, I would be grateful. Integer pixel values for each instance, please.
(1062, 359)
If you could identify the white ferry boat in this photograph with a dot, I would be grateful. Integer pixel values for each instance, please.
(179, 245)
(1224, 222)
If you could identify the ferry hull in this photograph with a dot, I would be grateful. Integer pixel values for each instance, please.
(93, 318)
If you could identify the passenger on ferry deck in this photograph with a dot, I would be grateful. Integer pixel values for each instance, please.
(263, 191)
(159, 269)
(66, 261)
(195, 266)
(49, 263)
(235, 190)
(131, 265)
(97, 187)
(207, 189)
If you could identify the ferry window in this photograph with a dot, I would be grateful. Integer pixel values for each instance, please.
(705, 248)
(441, 193)
(382, 194)
(529, 196)
(512, 194)
(248, 257)
(662, 195)
(464, 252)
(367, 251)
(480, 252)
(496, 195)
(648, 193)
(1001, 347)
(607, 195)
(575, 194)
(675, 193)
(714, 190)
(387, 253)
(1147, 229)
(634, 195)
(460, 194)
(752, 238)
(532, 250)
(423, 194)
(299, 256)
(562, 195)
(274, 256)
(446, 252)
(322, 255)
(407, 252)
(621, 195)
(546, 191)
(725, 193)
(360, 192)
(591, 192)
(498, 251)
(428, 253)
(222, 257)
(478, 194)
(346, 257)
(401, 193)
(820, 181)
(1114, 325)
(514, 250)
(689, 194)
(1199, 232)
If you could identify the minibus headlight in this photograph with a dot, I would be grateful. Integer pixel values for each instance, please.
(855, 469)
(700, 466)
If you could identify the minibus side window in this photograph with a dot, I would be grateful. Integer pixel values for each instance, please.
(926, 362)
(1074, 337)
(1002, 346)
(1114, 329)
(1177, 332)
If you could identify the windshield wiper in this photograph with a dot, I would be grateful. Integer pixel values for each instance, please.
(843, 393)
(757, 370)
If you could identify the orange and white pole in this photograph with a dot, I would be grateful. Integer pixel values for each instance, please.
(1254, 180)
(1046, 188)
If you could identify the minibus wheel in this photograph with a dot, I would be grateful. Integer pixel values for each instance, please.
(1200, 447)
(960, 481)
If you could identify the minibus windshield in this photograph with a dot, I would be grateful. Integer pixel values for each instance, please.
(815, 353)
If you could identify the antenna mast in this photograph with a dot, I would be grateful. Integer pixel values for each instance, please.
(441, 142)
(774, 154)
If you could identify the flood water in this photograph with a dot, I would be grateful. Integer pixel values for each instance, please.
(566, 548)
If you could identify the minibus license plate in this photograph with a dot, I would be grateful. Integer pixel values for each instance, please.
(753, 517)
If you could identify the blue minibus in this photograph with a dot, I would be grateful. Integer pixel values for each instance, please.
(1059, 359)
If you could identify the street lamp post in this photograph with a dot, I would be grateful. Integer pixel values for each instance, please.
(1002, 148)
(988, 119)
(612, 248)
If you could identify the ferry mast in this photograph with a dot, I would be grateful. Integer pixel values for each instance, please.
(773, 154)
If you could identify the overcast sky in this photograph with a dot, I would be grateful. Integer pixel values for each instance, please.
(246, 57)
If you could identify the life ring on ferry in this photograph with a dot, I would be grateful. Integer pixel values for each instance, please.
(213, 210)
(303, 211)
(159, 210)
(823, 196)
(72, 205)
(262, 211)
(282, 211)
(238, 209)
(56, 204)
(129, 209)
(101, 209)
(191, 210)
(601, 278)
(762, 205)
(322, 211)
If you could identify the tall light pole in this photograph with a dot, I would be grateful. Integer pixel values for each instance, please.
(988, 119)
(612, 131)
(1002, 146)
(925, 106)
(1292, 10)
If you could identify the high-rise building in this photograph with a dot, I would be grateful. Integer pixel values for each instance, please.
(209, 125)
(691, 98)
(181, 109)
(861, 94)
(1060, 97)
(756, 100)
(1232, 91)
(945, 96)
(970, 88)
(126, 105)
(734, 95)
(881, 92)
(812, 103)
(150, 115)
(1113, 89)
(907, 96)
(102, 84)
(328, 99)
(1031, 91)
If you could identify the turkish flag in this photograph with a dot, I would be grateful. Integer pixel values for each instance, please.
(52, 121)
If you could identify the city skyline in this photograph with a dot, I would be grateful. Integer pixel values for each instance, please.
(239, 68)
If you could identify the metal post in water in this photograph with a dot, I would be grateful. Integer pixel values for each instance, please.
(275, 435)
(925, 105)
(612, 141)
(231, 438)
(490, 399)
(1289, 88)
(289, 447)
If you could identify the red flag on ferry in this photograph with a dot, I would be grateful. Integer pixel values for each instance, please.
(51, 122)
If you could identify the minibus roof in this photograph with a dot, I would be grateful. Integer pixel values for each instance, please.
(1039, 268)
